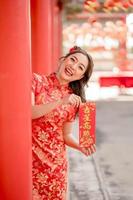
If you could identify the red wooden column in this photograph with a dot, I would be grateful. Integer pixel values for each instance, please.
(41, 33)
(122, 60)
(57, 32)
(15, 111)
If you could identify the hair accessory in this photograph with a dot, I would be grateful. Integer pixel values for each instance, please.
(73, 49)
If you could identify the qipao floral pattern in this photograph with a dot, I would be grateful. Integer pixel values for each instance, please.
(49, 151)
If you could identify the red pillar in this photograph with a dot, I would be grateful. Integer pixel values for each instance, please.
(122, 60)
(41, 29)
(57, 32)
(15, 117)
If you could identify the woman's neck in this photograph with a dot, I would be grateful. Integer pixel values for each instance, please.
(61, 81)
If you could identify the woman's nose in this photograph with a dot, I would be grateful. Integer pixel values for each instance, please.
(74, 65)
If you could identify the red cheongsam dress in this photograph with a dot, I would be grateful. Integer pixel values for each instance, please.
(49, 150)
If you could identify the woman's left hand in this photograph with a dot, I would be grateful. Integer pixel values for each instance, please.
(72, 99)
(88, 151)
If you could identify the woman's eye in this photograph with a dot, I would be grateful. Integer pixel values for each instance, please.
(80, 67)
(72, 59)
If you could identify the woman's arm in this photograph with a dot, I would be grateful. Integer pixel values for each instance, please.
(68, 138)
(71, 141)
(43, 109)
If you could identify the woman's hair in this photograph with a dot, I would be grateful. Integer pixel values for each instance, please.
(78, 85)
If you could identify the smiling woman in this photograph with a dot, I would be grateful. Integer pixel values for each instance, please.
(56, 99)
(80, 61)
(72, 68)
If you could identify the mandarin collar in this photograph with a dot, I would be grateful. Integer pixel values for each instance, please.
(57, 83)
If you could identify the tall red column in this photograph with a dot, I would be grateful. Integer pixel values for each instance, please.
(15, 117)
(41, 33)
(57, 32)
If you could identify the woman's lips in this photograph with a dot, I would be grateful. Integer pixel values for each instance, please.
(68, 71)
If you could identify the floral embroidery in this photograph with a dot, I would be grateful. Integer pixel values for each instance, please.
(49, 151)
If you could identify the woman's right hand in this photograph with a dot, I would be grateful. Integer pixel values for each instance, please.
(88, 151)
(72, 99)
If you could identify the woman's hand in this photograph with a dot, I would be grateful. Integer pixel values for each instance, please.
(73, 99)
(88, 151)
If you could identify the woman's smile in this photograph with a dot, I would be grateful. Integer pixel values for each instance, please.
(68, 71)
(72, 68)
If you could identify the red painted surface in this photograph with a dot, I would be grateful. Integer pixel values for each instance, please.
(15, 112)
(87, 124)
(57, 33)
(120, 81)
(41, 32)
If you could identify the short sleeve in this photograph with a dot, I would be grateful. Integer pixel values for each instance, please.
(72, 114)
(36, 83)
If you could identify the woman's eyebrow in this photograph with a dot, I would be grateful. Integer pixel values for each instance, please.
(77, 60)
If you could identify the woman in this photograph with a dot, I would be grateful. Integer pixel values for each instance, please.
(56, 99)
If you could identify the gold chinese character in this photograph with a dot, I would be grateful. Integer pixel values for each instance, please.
(86, 109)
(87, 126)
(86, 133)
(86, 118)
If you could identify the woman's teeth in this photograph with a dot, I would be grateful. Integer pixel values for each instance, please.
(68, 72)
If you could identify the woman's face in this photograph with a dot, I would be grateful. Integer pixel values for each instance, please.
(72, 68)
